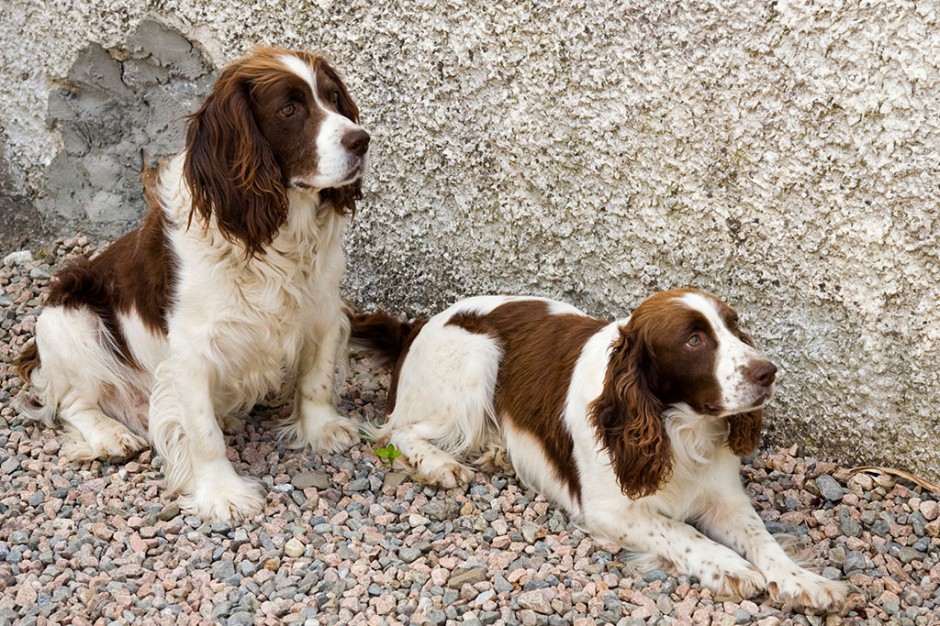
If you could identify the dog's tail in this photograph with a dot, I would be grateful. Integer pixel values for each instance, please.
(35, 400)
(382, 335)
(26, 361)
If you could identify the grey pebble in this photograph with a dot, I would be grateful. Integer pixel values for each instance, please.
(239, 538)
(664, 604)
(501, 585)
(908, 554)
(466, 575)
(394, 479)
(854, 561)
(408, 555)
(357, 485)
(222, 570)
(829, 488)
(654, 574)
(241, 618)
(529, 531)
(316, 479)
(489, 617)
(169, 512)
(441, 511)
(10, 465)
(849, 527)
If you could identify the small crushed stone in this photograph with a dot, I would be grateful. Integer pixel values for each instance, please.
(346, 540)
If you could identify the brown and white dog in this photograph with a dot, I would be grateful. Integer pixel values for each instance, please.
(226, 293)
(633, 426)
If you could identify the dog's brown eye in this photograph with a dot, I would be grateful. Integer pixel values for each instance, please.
(695, 341)
(334, 98)
(288, 110)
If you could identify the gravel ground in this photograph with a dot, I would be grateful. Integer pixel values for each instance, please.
(345, 540)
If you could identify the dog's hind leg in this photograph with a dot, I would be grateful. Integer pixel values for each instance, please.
(90, 434)
(428, 463)
(443, 413)
(76, 372)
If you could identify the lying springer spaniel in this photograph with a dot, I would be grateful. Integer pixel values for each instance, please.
(634, 426)
(226, 293)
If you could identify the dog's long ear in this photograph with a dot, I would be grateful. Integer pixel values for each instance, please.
(628, 419)
(344, 198)
(231, 170)
(744, 432)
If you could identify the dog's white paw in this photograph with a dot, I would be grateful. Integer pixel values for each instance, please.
(108, 440)
(225, 497)
(730, 577)
(806, 591)
(448, 475)
(323, 430)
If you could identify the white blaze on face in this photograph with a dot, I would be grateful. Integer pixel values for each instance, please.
(336, 166)
(733, 358)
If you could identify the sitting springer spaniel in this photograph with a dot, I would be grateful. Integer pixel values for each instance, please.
(635, 426)
(226, 293)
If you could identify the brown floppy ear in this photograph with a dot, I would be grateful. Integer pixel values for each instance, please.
(230, 168)
(628, 419)
(744, 432)
(343, 199)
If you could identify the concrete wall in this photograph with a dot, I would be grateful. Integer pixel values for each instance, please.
(783, 156)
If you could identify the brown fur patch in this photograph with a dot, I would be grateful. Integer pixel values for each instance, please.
(135, 273)
(744, 432)
(627, 418)
(540, 350)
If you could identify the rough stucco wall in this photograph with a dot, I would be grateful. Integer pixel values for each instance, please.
(783, 156)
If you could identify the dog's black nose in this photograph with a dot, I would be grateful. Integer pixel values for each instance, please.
(356, 141)
(762, 372)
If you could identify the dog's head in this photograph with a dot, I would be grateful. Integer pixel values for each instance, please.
(275, 120)
(685, 349)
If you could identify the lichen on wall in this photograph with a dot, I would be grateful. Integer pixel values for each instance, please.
(784, 155)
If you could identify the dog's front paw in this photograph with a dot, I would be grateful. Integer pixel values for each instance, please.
(448, 475)
(226, 497)
(322, 429)
(731, 578)
(803, 590)
(335, 436)
(109, 440)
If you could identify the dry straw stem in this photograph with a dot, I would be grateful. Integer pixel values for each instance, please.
(917, 480)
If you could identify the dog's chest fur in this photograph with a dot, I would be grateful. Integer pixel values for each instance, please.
(263, 313)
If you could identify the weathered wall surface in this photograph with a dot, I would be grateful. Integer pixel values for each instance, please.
(783, 156)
